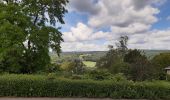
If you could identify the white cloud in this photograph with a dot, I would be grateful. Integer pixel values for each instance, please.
(84, 6)
(138, 4)
(78, 46)
(122, 13)
(123, 17)
(134, 28)
(168, 18)
(83, 33)
(156, 39)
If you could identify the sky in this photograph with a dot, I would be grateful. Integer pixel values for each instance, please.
(92, 25)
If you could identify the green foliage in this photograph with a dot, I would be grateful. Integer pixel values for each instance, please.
(53, 68)
(168, 77)
(12, 29)
(25, 38)
(119, 67)
(67, 66)
(160, 62)
(122, 45)
(113, 60)
(76, 66)
(140, 67)
(51, 76)
(119, 78)
(133, 55)
(42, 86)
(100, 75)
(109, 59)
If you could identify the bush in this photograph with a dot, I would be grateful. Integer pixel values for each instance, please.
(51, 76)
(77, 77)
(100, 75)
(41, 86)
(51, 68)
(160, 62)
(119, 77)
(168, 77)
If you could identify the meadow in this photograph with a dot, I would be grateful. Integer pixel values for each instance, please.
(89, 64)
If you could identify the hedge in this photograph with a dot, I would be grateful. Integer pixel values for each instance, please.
(42, 86)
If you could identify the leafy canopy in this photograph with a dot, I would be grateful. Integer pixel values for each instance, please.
(25, 37)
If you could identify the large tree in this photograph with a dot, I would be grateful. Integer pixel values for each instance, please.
(140, 67)
(113, 60)
(160, 62)
(27, 32)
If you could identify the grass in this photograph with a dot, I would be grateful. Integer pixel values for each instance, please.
(89, 63)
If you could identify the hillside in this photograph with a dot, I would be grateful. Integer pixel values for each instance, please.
(96, 55)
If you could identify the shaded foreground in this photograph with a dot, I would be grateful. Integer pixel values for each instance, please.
(59, 99)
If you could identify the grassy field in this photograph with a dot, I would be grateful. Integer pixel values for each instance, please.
(89, 63)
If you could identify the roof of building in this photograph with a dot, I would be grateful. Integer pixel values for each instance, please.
(167, 68)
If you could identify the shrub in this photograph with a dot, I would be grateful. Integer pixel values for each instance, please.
(41, 86)
(119, 77)
(100, 75)
(77, 77)
(168, 77)
(51, 68)
(51, 76)
(160, 62)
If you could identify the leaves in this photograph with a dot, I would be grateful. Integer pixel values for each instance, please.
(23, 26)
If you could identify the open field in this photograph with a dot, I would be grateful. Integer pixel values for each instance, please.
(89, 63)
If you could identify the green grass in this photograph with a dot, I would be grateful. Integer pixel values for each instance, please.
(89, 63)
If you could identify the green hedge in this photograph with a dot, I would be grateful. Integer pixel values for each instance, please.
(42, 86)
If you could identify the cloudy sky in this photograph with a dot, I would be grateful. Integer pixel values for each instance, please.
(92, 25)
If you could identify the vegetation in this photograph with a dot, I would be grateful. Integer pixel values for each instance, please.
(28, 32)
(31, 86)
(160, 62)
(25, 38)
(89, 63)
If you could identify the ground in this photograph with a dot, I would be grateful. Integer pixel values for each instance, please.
(51, 99)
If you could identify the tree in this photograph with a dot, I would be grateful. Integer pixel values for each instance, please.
(113, 60)
(140, 67)
(75, 66)
(160, 62)
(12, 35)
(29, 33)
(122, 45)
(132, 56)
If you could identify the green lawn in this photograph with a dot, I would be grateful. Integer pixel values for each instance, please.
(89, 63)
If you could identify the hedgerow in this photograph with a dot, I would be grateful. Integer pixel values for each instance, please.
(44, 86)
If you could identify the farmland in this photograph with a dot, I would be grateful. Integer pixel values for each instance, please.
(90, 57)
